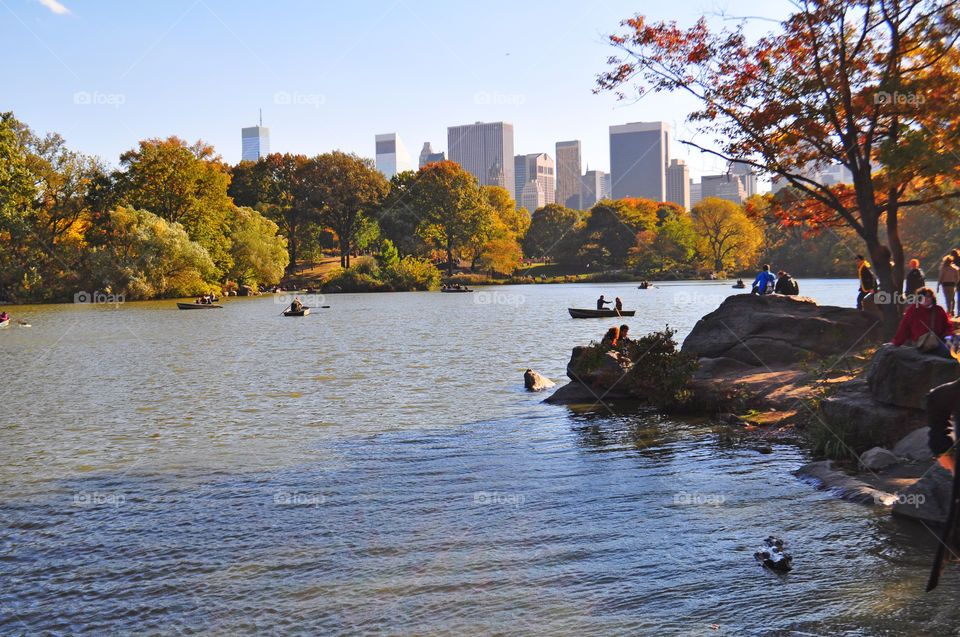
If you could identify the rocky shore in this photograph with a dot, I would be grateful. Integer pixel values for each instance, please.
(778, 367)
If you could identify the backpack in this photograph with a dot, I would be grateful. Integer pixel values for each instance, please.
(869, 281)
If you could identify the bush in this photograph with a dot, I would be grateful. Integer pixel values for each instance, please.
(413, 274)
(350, 280)
(661, 372)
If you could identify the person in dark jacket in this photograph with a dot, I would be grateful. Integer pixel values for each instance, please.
(786, 285)
(915, 279)
(868, 282)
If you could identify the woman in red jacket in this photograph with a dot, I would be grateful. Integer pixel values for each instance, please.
(925, 316)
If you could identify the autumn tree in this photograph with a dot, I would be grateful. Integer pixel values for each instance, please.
(548, 225)
(259, 256)
(725, 236)
(872, 85)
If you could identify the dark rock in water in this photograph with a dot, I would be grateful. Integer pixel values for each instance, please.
(771, 555)
(902, 376)
(773, 330)
(927, 499)
(765, 449)
(825, 476)
(576, 370)
(535, 382)
(580, 394)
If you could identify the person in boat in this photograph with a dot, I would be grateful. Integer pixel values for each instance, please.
(644, 285)
(764, 282)
(618, 304)
(611, 338)
(4, 317)
(601, 302)
(296, 306)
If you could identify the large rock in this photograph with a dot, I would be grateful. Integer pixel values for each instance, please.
(863, 421)
(535, 382)
(927, 499)
(574, 393)
(878, 459)
(915, 445)
(827, 477)
(902, 376)
(773, 330)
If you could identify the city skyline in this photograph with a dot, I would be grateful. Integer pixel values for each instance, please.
(326, 77)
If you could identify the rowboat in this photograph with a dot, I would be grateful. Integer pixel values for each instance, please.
(455, 290)
(197, 306)
(575, 313)
(4, 324)
(301, 312)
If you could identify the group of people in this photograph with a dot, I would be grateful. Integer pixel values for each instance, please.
(618, 304)
(207, 299)
(616, 338)
(767, 283)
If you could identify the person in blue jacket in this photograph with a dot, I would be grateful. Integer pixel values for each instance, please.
(764, 282)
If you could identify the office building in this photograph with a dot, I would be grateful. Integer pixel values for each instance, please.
(392, 155)
(727, 186)
(569, 181)
(428, 156)
(678, 183)
(595, 188)
(696, 193)
(255, 142)
(639, 155)
(485, 150)
(538, 168)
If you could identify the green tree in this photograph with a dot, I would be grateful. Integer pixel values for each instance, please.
(726, 237)
(259, 256)
(398, 220)
(548, 225)
(17, 191)
(388, 255)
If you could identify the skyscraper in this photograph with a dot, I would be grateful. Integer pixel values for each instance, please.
(569, 181)
(255, 142)
(427, 156)
(678, 183)
(639, 154)
(727, 186)
(595, 184)
(392, 155)
(485, 151)
(539, 169)
(748, 177)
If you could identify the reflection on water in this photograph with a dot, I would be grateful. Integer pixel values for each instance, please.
(377, 467)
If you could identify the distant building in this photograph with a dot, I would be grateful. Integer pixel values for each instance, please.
(727, 186)
(829, 175)
(427, 156)
(639, 154)
(696, 193)
(594, 188)
(255, 143)
(532, 196)
(392, 155)
(569, 181)
(539, 168)
(678, 183)
(747, 175)
(485, 150)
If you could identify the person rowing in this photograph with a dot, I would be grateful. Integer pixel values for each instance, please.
(296, 306)
(601, 302)
(4, 317)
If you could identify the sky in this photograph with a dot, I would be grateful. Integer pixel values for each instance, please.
(331, 75)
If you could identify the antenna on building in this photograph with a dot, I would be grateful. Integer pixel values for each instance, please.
(261, 117)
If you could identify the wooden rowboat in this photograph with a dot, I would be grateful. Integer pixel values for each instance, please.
(455, 290)
(197, 306)
(302, 312)
(575, 313)
(4, 323)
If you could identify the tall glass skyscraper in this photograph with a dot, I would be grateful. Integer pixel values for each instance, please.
(639, 155)
(485, 151)
(255, 143)
(569, 181)
(392, 155)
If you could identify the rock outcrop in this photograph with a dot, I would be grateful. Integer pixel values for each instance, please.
(877, 459)
(927, 499)
(775, 330)
(533, 381)
(902, 376)
(854, 410)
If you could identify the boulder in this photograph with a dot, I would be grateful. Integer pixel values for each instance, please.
(902, 376)
(864, 422)
(535, 382)
(713, 367)
(927, 499)
(877, 459)
(825, 476)
(579, 394)
(915, 445)
(575, 368)
(773, 330)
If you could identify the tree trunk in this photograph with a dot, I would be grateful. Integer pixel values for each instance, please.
(896, 246)
(449, 259)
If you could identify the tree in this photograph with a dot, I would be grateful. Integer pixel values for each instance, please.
(611, 229)
(348, 192)
(548, 225)
(398, 221)
(451, 205)
(17, 190)
(840, 82)
(726, 237)
(182, 183)
(259, 256)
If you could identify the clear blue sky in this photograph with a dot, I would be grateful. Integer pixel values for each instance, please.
(330, 75)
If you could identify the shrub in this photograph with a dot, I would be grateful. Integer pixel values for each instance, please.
(413, 274)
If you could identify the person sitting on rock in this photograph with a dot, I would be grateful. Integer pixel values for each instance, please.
(611, 338)
(764, 282)
(925, 317)
(914, 281)
(786, 285)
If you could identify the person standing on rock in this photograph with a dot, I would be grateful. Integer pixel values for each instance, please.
(868, 282)
(949, 276)
(914, 281)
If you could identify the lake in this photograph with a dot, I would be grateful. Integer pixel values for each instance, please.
(377, 467)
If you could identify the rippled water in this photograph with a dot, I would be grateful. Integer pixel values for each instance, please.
(376, 467)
